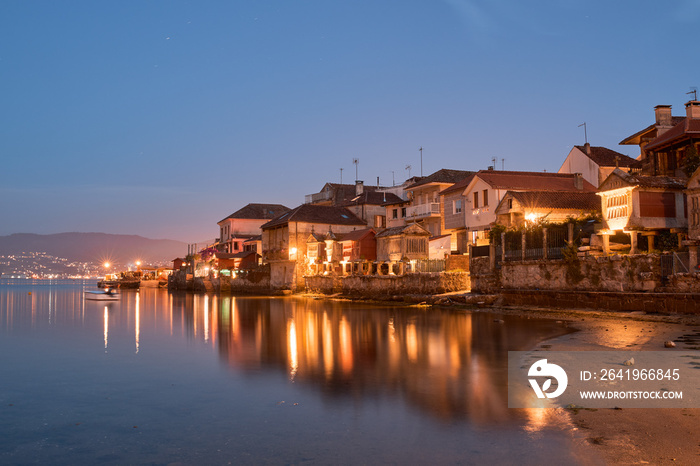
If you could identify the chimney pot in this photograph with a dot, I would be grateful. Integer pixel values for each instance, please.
(587, 148)
(692, 110)
(359, 187)
(663, 115)
(578, 181)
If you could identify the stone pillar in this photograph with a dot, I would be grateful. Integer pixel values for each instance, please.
(492, 257)
(693, 258)
(571, 233)
(522, 241)
(402, 266)
(503, 246)
(544, 243)
(650, 243)
(391, 268)
(606, 244)
(633, 242)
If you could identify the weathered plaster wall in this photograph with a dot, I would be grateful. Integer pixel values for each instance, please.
(371, 286)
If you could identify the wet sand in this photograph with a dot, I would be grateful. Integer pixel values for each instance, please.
(630, 436)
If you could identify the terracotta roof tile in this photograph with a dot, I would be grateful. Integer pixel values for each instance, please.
(687, 128)
(605, 157)
(258, 211)
(557, 200)
(442, 176)
(532, 181)
(312, 213)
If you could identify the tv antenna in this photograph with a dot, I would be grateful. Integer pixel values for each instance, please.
(493, 161)
(341, 176)
(694, 91)
(421, 160)
(585, 131)
(356, 162)
(408, 167)
(393, 180)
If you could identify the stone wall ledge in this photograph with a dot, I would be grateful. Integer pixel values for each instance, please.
(648, 302)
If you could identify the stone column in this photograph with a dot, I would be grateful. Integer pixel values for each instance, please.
(544, 243)
(693, 258)
(503, 246)
(606, 244)
(633, 242)
(650, 243)
(571, 233)
(492, 257)
(523, 245)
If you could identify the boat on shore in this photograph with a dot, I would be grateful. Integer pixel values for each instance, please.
(107, 294)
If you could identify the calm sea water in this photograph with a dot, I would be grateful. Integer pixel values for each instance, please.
(161, 378)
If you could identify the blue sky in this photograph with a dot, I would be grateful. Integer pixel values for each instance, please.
(160, 118)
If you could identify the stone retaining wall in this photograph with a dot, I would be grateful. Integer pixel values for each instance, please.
(664, 303)
(618, 273)
(389, 285)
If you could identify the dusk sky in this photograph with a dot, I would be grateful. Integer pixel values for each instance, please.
(160, 118)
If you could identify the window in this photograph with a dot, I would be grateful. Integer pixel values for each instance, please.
(486, 197)
(476, 200)
(510, 203)
(379, 221)
(403, 212)
(395, 213)
(457, 206)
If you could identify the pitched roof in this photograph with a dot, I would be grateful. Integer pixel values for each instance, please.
(373, 198)
(459, 186)
(557, 200)
(647, 181)
(442, 176)
(398, 230)
(258, 212)
(313, 213)
(636, 137)
(357, 234)
(532, 181)
(688, 127)
(605, 157)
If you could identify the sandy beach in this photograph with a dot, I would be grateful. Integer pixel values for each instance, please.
(630, 436)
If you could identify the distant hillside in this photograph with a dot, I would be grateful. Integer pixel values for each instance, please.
(95, 247)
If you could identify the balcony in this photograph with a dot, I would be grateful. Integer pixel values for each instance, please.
(423, 210)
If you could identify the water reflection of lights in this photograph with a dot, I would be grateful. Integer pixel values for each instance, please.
(206, 318)
(411, 342)
(292, 349)
(106, 326)
(137, 324)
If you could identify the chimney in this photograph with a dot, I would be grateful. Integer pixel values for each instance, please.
(663, 115)
(587, 149)
(359, 187)
(578, 181)
(692, 110)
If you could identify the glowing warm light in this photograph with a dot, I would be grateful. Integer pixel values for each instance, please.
(106, 326)
(137, 323)
(292, 349)
(531, 217)
(106, 265)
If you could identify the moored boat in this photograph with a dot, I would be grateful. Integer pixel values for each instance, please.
(107, 294)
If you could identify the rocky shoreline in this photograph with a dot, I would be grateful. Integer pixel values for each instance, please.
(639, 435)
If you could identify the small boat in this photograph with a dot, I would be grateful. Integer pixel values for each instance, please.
(107, 294)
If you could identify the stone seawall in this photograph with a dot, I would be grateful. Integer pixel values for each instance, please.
(628, 273)
(389, 285)
(662, 303)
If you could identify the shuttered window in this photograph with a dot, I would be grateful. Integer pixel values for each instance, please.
(657, 204)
